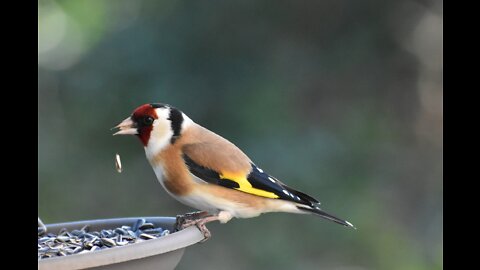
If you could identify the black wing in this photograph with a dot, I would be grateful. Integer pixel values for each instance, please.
(257, 182)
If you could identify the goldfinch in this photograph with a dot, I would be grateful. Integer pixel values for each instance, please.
(206, 171)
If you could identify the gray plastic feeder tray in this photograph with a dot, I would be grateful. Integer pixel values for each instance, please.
(163, 253)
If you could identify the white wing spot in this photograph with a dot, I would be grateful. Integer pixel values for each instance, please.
(286, 192)
(260, 170)
(271, 179)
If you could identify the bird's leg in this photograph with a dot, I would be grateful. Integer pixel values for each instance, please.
(222, 216)
(193, 215)
(187, 218)
(200, 223)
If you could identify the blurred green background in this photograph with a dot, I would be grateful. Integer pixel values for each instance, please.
(340, 99)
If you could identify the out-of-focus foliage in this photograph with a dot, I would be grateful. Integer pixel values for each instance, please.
(341, 99)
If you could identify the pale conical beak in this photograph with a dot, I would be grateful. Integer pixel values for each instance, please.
(127, 127)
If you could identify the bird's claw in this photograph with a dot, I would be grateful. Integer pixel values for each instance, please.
(199, 219)
(200, 224)
(188, 218)
(206, 233)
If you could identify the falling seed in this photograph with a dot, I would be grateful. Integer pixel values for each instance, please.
(118, 163)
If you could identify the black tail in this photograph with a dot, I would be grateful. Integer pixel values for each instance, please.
(319, 212)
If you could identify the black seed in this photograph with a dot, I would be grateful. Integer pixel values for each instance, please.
(81, 241)
(138, 224)
(147, 225)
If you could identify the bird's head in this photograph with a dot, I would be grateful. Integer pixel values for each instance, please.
(155, 124)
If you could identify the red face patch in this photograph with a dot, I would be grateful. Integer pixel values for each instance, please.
(143, 117)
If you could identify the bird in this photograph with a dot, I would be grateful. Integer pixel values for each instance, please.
(207, 172)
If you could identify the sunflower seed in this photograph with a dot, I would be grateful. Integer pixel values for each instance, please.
(63, 231)
(118, 163)
(82, 241)
(77, 232)
(108, 242)
(89, 235)
(42, 229)
(88, 244)
(43, 240)
(147, 225)
(121, 231)
(132, 234)
(147, 236)
(63, 238)
(153, 231)
(138, 224)
(85, 228)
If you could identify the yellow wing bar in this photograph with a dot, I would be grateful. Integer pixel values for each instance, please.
(246, 186)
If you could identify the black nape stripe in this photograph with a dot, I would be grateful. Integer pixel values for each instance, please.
(158, 105)
(176, 120)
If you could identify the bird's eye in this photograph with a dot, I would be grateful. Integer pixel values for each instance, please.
(147, 121)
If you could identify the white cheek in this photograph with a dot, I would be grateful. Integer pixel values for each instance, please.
(159, 139)
(160, 136)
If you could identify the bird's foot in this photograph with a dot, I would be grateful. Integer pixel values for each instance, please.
(188, 218)
(206, 233)
(200, 223)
